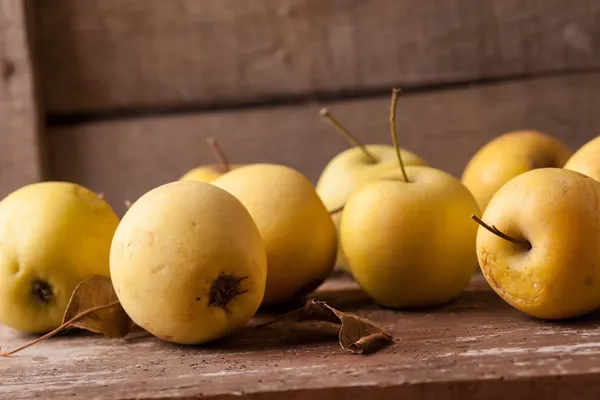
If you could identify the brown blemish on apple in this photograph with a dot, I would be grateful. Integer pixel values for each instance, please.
(485, 262)
(589, 280)
(224, 289)
(484, 258)
(42, 291)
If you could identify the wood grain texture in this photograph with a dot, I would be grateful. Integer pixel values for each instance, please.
(126, 158)
(112, 54)
(476, 347)
(21, 148)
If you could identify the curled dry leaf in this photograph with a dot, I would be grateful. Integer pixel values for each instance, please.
(93, 307)
(109, 318)
(357, 335)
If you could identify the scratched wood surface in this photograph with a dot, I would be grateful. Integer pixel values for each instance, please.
(475, 347)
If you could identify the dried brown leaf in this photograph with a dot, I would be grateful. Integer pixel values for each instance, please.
(357, 335)
(109, 318)
(94, 307)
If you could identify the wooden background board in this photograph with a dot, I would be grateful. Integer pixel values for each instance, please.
(21, 144)
(125, 158)
(112, 54)
(476, 347)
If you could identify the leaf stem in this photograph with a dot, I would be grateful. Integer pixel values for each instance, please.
(501, 234)
(344, 132)
(60, 328)
(395, 95)
(218, 154)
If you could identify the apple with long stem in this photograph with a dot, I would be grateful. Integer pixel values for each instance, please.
(353, 167)
(407, 236)
(537, 243)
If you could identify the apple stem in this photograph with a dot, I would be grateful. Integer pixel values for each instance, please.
(501, 234)
(344, 132)
(395, 95)
(336, 210)
(60, 328)
(218, 154)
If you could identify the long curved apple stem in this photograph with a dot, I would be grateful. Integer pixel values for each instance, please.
(218, 153)
(344, 132)
(395, 95)
(60, 328)
(501, 234)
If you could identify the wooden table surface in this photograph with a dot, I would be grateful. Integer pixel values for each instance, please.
(475, 347)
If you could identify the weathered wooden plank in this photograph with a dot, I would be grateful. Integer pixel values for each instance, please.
(125, 158)
(111, 54)
(21, 148)
(476, 347)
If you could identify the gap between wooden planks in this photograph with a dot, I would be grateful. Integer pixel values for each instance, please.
(125, 158)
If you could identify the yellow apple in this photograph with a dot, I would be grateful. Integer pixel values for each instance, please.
(550, 266)
(353, 167)
(407, 237)
(411, 244)
(53, 235)
(188, 263)
(507, 156)
(207, 173)
(587, 159)
(296, 228)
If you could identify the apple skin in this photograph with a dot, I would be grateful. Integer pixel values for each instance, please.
(55, 234)
(411, 244)
(587, 159)
(507, 156)
(164, 267)
(350, 169)
(556, 210)
(206, 173)
(297, 230)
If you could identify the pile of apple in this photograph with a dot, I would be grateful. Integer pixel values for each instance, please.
(193, 260)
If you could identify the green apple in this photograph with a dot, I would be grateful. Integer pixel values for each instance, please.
(53, 235)
(353, 167)
(407, 237)
(538, 243)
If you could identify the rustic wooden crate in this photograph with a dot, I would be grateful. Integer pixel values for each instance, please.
(119, 95)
